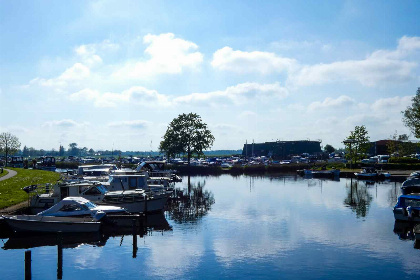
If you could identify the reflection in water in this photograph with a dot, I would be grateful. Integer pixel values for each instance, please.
(190, 205)
(393, 195)
(358, 198)
(129, 225)
(404, 230)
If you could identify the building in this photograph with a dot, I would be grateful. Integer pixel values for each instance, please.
(282, 149)
(386, 147)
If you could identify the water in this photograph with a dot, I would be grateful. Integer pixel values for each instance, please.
(246, 228)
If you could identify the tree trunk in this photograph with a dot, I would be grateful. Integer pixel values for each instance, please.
(189, 155)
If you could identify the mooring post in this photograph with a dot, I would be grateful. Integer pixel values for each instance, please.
(28, 265)
(134, 238)
(60, 256)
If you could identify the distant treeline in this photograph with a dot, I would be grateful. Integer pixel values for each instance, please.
(84, 152)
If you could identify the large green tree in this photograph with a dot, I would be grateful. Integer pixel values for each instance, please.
(9, 144)
(329, 149)
(186, 134)
(411, 115)
(358, 145)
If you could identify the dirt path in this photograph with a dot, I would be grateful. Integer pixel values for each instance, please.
(9, 175)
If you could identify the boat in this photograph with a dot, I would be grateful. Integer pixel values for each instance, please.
(156, 169)
(47, 224)
(46, 163)
(16, 162)
(135, 201)
(79, 206)
(370, 173)
(45, 196)
(411, 185)
(226, 166)
(408, 208)
(415, 174)
(96, 170)
(322, 173)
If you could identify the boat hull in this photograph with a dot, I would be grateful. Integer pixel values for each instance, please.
(401, 215)
(23, 223)
(152, 205)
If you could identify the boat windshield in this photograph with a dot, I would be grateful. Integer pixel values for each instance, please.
(90, 205)
(411, 202)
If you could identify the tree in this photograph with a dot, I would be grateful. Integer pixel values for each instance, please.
(9, 144)
(411, 116)
(61, 151)
(360, 145)
(329, 149)
(73, 150)
(186, 134)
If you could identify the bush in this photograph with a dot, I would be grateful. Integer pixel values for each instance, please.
(403, 160)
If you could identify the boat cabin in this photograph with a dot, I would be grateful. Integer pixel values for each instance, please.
(46, 163)
(45, 197)
(16, 162)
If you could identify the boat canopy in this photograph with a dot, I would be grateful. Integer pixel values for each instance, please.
(412, 200)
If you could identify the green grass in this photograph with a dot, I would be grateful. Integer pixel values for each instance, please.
(5, 172)
(11, 192)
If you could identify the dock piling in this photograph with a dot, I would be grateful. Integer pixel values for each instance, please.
(28, 274)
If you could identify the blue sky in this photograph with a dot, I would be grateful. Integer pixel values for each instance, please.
(110, 74)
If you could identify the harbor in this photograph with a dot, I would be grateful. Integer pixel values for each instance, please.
(230, 221)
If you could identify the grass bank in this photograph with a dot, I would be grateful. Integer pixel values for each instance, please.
(5, 172)
(11, 191)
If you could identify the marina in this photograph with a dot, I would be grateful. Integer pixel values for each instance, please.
(240, 227)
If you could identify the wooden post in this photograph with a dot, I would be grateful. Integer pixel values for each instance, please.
(60, 256)
(134, 238)
(28, 274)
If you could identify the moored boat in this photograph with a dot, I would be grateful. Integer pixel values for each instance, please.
(36, 223)
(79, 207)
(371, 173)
(135, 201)
(411, 185)
(322, 173)
(408, 208)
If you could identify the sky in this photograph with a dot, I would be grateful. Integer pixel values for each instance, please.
(113, 74)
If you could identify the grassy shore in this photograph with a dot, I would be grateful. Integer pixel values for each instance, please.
(5, 172)
(11, 191)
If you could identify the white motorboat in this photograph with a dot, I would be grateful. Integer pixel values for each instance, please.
(371, 173)
(135, 201)
(322, 173)
(35, 223)
(156, 169)
(96, 170)
(44, 197)
(79, 206)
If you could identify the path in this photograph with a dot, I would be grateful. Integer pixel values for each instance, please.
(10, 175)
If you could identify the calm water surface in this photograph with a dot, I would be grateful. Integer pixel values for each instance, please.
(248, 227)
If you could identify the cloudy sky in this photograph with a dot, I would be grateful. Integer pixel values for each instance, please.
(113, 74)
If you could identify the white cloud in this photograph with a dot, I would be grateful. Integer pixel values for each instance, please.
(67, 123)
(406, 46)
(368, 72)
(250, 62)
(329, 102)
(235, 95)
(135, 124)
(381, 66)
(134, 95)
(168, 55)
(70, 76)
(394, 104)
